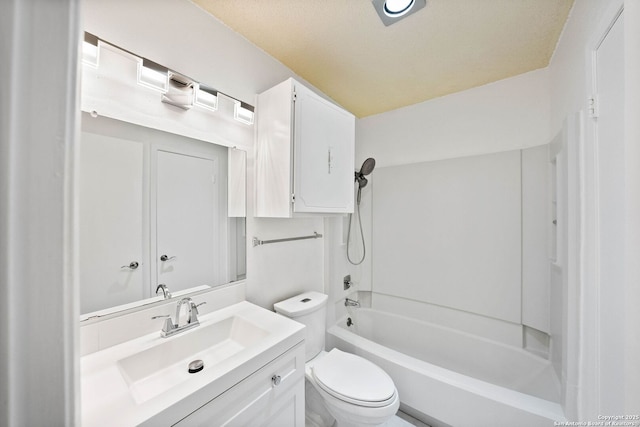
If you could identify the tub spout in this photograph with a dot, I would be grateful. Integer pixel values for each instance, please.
(348, 302)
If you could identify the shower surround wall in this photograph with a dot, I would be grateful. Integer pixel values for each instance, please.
(448, 243)
(448, 233)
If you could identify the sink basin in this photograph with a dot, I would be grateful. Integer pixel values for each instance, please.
(146, 381)
(162, 367)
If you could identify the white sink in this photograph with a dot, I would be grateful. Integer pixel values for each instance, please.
(162, 367)
(146, 381)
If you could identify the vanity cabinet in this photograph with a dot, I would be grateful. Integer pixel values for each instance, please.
(273, 396)
(304, 153)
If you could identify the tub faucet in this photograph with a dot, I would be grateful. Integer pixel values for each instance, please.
(348, 302)
(169, 328)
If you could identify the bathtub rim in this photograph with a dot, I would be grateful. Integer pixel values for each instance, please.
(522, 401)
(521, 351)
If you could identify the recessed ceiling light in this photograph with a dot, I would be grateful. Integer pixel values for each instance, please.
(397, 8)
(391, 11)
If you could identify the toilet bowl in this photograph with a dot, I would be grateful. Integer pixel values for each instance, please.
(353, 390)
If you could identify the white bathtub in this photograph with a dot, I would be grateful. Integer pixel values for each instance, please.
(454, 378)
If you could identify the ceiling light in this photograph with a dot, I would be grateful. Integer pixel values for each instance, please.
(90, 50)
(397, 8)
(391, 11)
(206, 97)
(243, 113)
(153, 76)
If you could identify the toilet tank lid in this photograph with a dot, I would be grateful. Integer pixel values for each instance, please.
(302, 304)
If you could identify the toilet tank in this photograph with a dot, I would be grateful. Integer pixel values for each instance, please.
(310, 309)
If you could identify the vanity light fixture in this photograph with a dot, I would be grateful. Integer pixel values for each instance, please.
(153, 76)
(90, 50)
(177, 89)
(180, 92)
(243, 113)
(391, 11)
(206, 97)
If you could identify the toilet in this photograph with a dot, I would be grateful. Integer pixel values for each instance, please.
(353, 390)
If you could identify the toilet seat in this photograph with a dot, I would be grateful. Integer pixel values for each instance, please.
(354, 380)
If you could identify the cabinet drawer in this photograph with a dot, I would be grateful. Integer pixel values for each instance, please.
(275, 391)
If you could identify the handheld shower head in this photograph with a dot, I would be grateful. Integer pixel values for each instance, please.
(366, 169)
(368, 166)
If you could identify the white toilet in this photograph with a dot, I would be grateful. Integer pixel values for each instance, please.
(355, 391)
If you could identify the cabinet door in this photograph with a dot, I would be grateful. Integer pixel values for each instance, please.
(274, 152)
(257, 401)
(110, 212)
(267, 411)
(324, 155)
(187, 220)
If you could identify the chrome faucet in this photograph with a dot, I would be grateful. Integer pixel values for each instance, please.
(165, 291)
(169, 328)
(348, 302)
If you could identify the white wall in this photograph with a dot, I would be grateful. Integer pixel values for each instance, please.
(505, 115)
(632, 196)
(39, 382)
(182, 37)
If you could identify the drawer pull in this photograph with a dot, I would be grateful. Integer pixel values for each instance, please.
(275, 380)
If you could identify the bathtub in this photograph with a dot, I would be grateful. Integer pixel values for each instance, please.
(453, 378)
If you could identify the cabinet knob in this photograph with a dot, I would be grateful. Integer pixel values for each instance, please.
(275, 380)
(166, 258)
(132, 266)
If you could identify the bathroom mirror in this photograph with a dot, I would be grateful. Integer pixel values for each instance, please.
(160, 186)
(155, 208)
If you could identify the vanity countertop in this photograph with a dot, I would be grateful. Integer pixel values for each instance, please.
(128, 385)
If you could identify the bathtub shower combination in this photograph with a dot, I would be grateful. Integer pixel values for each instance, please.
(452, 377)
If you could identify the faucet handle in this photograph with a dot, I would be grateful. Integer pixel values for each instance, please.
(168, 323)
(193, 317)
(195, 306)
(346, 282)
(161, 316)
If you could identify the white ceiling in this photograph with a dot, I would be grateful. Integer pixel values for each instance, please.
(343, 48)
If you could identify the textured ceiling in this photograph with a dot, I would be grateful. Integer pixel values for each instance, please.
(342, 47)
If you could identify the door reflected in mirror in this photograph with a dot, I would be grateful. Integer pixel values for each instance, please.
(154, 209)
